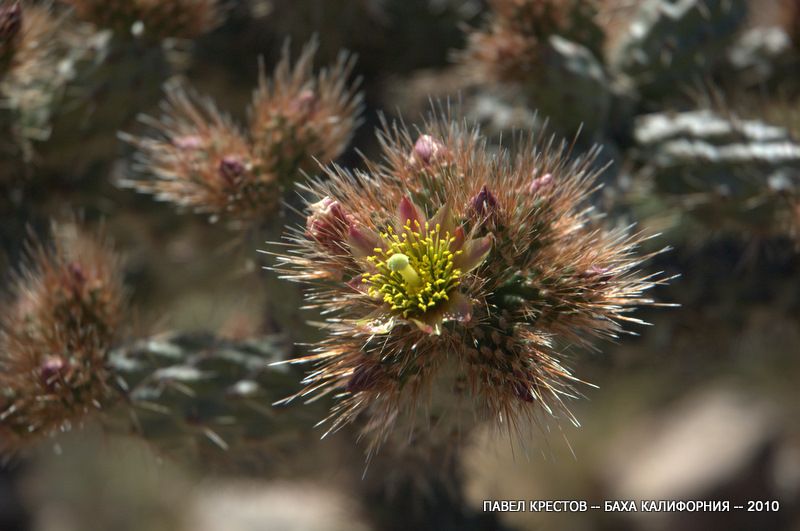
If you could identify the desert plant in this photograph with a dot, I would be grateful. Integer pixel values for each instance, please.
(153, 19)
(453, 275)
(198, 158)
(66, 312)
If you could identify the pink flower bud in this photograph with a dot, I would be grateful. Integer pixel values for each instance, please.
(231, 168)
(328, 224)
(426, 151)
(51, 371)
(540, 183)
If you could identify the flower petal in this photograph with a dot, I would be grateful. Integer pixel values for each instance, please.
(408, 211)
(358, 284)
(444, 218)
(459, 308)
(434, 329)
(474, 253)
(458, 242)
(362, 241)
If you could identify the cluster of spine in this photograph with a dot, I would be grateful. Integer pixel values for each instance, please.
(200, 159)
(513, 44)
(153, 19)
(501, 253)
(64, 315)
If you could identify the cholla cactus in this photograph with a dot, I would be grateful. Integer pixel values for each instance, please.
(513, 45)
(154, 19)
(67, 309)
(198, 158)
(724, 173)
(452, 270)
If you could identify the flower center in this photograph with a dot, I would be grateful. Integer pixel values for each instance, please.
(414, 273)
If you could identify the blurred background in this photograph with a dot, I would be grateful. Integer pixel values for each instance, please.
(695, 103)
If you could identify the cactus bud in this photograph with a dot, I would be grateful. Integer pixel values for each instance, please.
(484, 203)
(426, 151)
(51, 371)
(231, 168)
(328, 224)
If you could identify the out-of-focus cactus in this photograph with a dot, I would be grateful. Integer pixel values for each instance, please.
(40, 57)
(551, 50)
(451, 275)
(61, 363)
(152, 19)
(77, 79)
(511, 47)
(197, 392)
(397, 26)
(759, 54)
(339, 23)
(728, 173)
(669, 42)
(138, 45)
(65, 315)
(198, 159)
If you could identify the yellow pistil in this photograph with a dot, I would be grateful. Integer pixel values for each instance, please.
(414, 273)
(399, 264)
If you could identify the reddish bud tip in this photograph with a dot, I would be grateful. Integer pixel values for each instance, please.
(484, 203)
(51, 371)
(231, 168)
